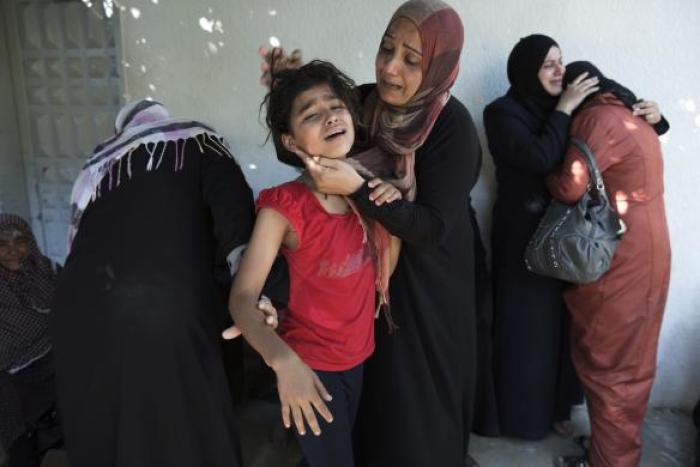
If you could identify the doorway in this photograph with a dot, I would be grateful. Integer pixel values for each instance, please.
(67, 91)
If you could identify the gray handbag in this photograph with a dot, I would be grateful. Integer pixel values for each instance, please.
(576, 243)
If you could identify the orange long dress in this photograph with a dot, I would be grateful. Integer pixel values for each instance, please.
(616, 320)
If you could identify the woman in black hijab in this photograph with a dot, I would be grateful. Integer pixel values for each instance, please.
(527, 131)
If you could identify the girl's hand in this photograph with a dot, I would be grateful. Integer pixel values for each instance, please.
(576, 92)
(383, 192)
(301, 391)
(333, 176)
(271, 318)
(276, 58)
(648, 110)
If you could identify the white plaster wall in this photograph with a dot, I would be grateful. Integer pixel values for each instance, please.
(13, 192)
(649, 45)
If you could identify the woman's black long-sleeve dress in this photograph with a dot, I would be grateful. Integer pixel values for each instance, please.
(535, 380)
(138, 315)
(417, 402)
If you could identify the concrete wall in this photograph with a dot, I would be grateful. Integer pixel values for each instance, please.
(13, 191)
(200, 59)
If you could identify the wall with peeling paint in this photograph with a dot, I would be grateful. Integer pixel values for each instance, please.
(200, 59)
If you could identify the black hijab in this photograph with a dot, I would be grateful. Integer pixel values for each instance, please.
(627, 97)
(524, 63)
(574, 69)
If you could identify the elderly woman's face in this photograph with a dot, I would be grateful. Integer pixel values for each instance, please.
(398, 63)
(15, 247)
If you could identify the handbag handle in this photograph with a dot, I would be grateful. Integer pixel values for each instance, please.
(593, 169)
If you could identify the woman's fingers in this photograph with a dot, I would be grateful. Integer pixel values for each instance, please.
(317, 166)
(276, 58)
(374, 182)
(393, 196)
(295, 57)
(301, 154)
(333, 176)
(590, 91)
(329, 163)
(277, 53)
(269, 310)
(584, 86)
(579, 84)
(383, 192)
(386, 196)
(649, 110)
(310, 416)
(646, 105)
(231, 333)
(580, 78)
(378, 192)
(589, 83)
(272, 321)
(314, 169)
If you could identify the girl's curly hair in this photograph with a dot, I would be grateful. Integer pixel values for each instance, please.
(287, 84)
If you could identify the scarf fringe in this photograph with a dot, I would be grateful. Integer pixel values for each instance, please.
(378, 247)
(94, 177)
(114, 179)
(151, 152)
(119, 172)
(384, 307)
(199, 145)
(162, 153)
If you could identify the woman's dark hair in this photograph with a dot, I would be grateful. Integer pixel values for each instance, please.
(286, 85)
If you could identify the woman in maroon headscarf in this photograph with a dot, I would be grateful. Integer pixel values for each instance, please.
(419, 385)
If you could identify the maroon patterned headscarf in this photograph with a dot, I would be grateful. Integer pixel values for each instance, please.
(396, 132)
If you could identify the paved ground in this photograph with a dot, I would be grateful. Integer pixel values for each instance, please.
(669, 438)
(668, 441)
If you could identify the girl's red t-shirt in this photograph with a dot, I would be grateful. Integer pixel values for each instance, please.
(329, 321)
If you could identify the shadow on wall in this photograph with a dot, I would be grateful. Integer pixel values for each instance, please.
(212, 35)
